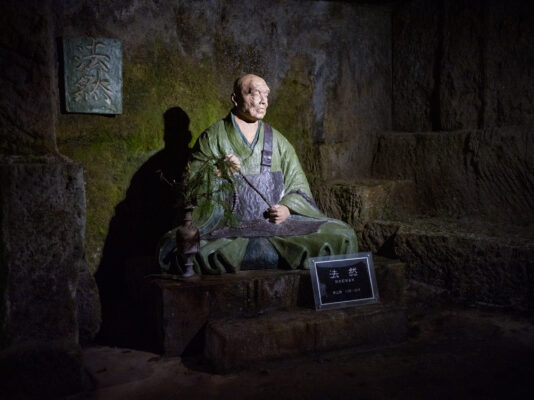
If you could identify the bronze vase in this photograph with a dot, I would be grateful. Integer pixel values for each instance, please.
(187, 243)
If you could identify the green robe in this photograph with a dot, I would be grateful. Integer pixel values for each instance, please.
(225, 254)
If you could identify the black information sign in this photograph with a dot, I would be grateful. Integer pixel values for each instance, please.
(343, 281)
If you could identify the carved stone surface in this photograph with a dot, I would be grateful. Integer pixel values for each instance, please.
(42, 218)
(93, 75)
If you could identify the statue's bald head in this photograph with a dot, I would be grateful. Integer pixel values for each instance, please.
(250, 97)
(246, 82)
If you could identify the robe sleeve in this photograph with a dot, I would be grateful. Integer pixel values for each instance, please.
(297, 195)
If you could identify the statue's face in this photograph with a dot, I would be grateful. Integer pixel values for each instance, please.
(253, 102)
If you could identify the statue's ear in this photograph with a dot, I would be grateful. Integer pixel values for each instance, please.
(234, 99)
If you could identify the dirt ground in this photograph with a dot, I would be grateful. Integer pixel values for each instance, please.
(450, 354)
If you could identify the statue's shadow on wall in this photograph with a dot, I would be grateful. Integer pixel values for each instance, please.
(152, 206)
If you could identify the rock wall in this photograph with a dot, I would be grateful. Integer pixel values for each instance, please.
(483, 173)
(462, 65)
(328, 65)
(463, 96)
(28, 81)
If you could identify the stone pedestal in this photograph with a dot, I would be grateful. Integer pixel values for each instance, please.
(267, 314)
(42, 219)
(183, 308)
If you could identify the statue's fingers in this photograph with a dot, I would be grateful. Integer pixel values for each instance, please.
(233, 158)
(273, 216)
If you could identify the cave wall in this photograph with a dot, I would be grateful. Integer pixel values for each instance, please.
(462, 65)
(463, 107)
(28, 110)
(42, 216)
(328, 65)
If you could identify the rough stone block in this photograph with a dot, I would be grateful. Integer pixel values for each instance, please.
(234, 343)
(473, 266)
(474, 261)
(377, 237)
(42, 217)
(358, 201)
(186, 306)
(395, 156)
(487, 173)
(391, 280)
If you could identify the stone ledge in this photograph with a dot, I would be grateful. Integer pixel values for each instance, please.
(475, 261)
(182, 308)
(356, 201)
(234, 343)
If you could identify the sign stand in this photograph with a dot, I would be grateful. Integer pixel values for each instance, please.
(343, 281)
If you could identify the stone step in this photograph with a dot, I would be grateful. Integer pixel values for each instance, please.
(233, 343)
(181, 309)
(361, 200)
(464, 172)
(475, 261)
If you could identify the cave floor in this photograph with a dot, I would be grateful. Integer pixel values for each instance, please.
(450, 354)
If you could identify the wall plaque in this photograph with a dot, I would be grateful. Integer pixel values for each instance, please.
(343, 281)
(93, 75)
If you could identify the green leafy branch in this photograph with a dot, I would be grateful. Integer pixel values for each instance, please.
(213, 185)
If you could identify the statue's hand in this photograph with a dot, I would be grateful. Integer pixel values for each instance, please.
(235, 161)
(235, 164)
(278, 213)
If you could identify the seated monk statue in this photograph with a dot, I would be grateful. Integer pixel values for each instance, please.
(277, 223)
